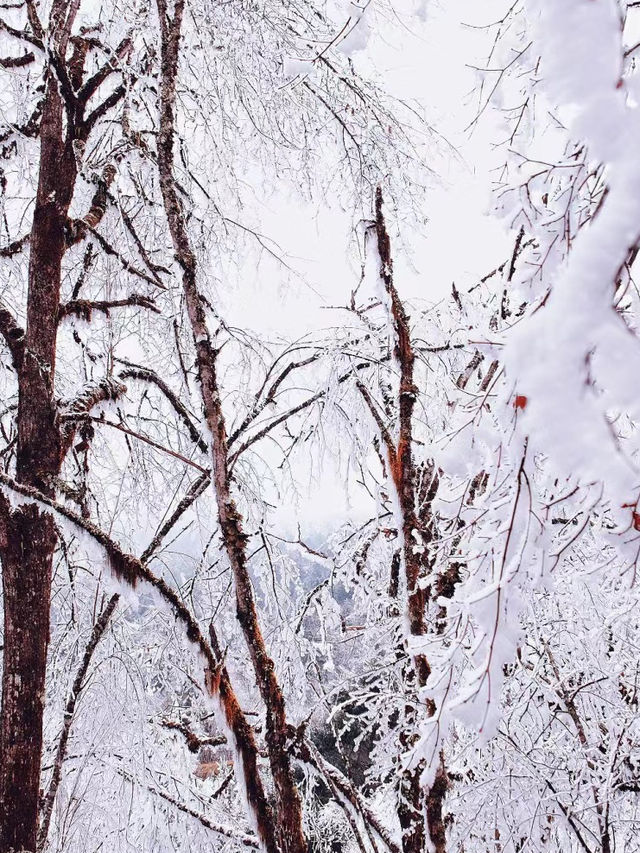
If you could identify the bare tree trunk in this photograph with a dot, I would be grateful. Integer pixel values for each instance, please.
(288, 811)
(27, 551)
(28, 536)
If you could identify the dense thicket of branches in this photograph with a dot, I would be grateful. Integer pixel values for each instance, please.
(188, 657)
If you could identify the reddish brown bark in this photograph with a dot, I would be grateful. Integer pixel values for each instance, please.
(26, 549)
(419, 811)
(26, 552)
(401, 455)
(219, 684)
(288, 808)
(27, 535)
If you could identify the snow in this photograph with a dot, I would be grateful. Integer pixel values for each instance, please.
(294, 67)
(574, 358)
(356, 37)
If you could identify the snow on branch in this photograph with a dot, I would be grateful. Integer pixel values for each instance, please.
(575, 359)
(131, 571)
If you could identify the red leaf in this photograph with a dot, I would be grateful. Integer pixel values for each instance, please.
(636, 520)
(520, 402)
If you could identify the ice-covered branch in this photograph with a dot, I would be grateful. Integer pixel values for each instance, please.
(131, 571)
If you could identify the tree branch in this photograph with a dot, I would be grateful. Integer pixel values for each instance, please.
(14, 246)
(261, 402)
(98, 630)
(131, 571)
(140, 437)
(13, 335)
(77, 228)
(84, 308)
(228, 832)
(194, 742)
(93, 393)
(193, 493)
(126, 265)
(93, 83)
(17, 61)
(309, 754)
(375, 414)
(145, 374)
(108, 103)
(21, 34)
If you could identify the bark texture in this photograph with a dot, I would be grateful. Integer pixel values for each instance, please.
(29, 537)
(420, 812)
(288, 808)
(27, 534)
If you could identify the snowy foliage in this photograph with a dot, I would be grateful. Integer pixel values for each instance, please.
(436, 497)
